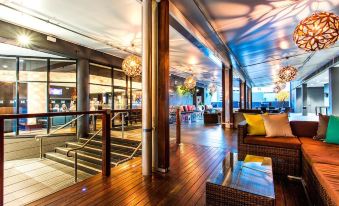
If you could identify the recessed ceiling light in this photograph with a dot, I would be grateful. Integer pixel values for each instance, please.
(24, 40)
(284, 44)
(5, 66)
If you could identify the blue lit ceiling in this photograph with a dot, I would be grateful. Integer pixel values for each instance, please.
(259, 32)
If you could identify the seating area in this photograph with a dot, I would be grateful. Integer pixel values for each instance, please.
(315, 161)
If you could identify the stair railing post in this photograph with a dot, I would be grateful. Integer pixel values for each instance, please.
(178, 126)
(2, 160)
(41, 152)
(75, 166)
(122, 125)
(106, 143)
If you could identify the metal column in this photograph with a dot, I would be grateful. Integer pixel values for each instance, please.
(147, 87)
(83, 96)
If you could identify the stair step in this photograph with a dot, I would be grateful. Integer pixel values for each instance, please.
(120, 141)
(121, 149)
(93, 149)
(89, 157)
(69, 161)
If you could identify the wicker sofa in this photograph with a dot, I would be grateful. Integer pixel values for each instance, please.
(315, 161)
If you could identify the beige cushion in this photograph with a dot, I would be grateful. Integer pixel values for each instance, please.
(277, 125)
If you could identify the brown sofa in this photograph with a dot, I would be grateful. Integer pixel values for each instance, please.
(315, 161)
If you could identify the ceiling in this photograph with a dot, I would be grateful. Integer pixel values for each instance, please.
(7, 49)
(319, 80)
(259, 32)
(110, 27)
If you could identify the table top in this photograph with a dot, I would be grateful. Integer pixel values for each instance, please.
(253, 175)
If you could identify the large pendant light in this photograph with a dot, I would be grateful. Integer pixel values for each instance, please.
(212, 88)
(281, 84)
(190, 82)
(287, 73)
(132, 66)
(277, 89)
(316, 32)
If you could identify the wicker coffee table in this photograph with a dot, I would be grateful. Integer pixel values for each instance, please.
(248, 182)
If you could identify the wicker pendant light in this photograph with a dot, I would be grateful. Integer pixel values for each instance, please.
(316, 32)
(281, 84)
(277, 89)
(190, 82)
(287, 73)
(132, 66)
(212, 88)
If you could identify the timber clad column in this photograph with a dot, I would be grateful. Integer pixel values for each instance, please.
(227, 97)
(155, 85)
(249, 96)
(242, 94)
(163, 89)
(147, 87)
(83, 96)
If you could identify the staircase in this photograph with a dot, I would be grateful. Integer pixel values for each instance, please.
(89, 158)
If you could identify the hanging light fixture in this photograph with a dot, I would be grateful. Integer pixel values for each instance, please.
(287, 73)
(212, 88)
(190, 82)
(316, 32)
(281, 84)
(132, 66)
(277, 89)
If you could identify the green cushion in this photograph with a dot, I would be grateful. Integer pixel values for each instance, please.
(332, 134)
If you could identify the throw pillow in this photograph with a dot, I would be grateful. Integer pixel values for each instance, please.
(277, 125)
(332, 134)
(255, 124)
(322, 127)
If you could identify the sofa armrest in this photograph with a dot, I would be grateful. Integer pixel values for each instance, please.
(242, 132)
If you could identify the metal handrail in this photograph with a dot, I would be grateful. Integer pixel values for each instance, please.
(75, 150)
(41, 136)
(131, 156)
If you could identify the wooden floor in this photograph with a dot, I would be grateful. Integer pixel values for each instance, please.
(191, 165)
(31, 179)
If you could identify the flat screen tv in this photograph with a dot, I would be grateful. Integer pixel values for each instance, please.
(55, 91)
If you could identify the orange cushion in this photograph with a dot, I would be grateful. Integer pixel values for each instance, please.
(320, 152)
(328, 176)
(284, 142)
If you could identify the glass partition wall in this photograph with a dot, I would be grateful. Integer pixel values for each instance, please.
(49, 85)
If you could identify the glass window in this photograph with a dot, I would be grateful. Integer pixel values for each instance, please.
(63, 71)
(100, 87)
(120, 90)
(32, 89)
(8, 91)
(136, 92)
(32, 69)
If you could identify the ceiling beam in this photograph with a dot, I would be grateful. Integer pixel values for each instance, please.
(321, 69)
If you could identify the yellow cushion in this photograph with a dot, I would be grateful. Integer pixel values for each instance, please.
(255, 124)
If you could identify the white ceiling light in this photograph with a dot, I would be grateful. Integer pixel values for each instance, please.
(284, 44)
(24, 40)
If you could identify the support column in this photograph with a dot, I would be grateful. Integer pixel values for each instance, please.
(163, 89)
(83, 96)
(242, 95)
(249, 97)
(147, 87)
(304, 99)
(155, 115)
(227, 97)
(333, 91)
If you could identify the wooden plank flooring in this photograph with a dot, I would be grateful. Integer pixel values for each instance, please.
(184, 184)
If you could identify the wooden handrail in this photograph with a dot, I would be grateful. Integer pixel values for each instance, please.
(54, 114)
